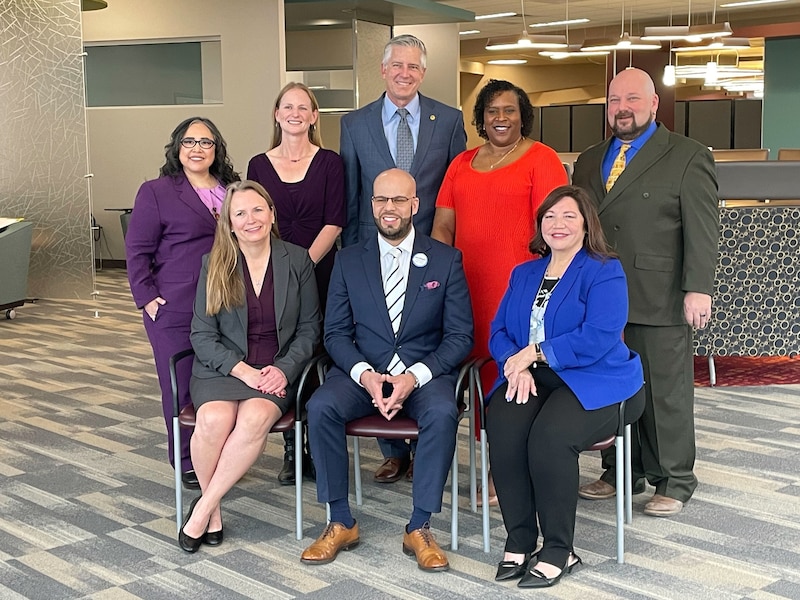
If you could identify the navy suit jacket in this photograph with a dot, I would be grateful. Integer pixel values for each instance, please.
(436, 325)
(169, 232)
(220, 341)
(583, 326)
(365, 152)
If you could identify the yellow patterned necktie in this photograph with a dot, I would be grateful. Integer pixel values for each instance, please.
(617, 168)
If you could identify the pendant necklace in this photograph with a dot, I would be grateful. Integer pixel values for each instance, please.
(502, 158)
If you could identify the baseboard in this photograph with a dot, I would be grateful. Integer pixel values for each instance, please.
(109, 264)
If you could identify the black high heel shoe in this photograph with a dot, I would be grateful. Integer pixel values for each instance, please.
(534, 578)
(508, 569)
(187, 542)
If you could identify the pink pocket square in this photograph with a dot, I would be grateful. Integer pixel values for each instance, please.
(430, 285)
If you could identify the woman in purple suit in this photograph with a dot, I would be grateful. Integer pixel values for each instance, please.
(306, 183)
(172, 226)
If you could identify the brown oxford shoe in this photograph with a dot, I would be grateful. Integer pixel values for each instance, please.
(334, 538)
(663, 506)
(597, 490)
(420, 543)
(392, 469)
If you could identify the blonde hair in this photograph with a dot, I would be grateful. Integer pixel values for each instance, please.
(224, 286)
(314, 135)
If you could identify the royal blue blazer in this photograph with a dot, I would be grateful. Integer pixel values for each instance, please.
(583, 324)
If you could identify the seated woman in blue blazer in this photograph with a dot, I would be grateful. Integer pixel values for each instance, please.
(557, 340)
(256, 324)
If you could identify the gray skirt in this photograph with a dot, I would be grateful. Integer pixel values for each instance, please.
(229, 388)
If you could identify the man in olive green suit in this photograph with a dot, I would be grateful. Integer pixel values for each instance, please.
(656, 193)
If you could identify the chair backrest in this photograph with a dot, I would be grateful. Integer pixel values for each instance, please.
(789, 154)
(726, 155)
(124, 219)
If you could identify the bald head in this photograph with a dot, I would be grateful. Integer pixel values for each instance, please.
(394, 203)
(394, 179)
(632, 103)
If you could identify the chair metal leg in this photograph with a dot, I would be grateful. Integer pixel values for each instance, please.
(327, 513)
(454, 501)
(628, 476)
(622, 492)
(485, 488)
(176, 458)
(357, 470)
(712, 371)
(298, 479)
(473, 466)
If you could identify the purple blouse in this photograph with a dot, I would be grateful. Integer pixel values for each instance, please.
(262, 330)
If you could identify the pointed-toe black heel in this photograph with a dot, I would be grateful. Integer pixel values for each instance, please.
(508, 569)
(534, 578)
(187, 542)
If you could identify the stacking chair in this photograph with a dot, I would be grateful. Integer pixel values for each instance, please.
(405, 428)
(294, 418)
(621, 441)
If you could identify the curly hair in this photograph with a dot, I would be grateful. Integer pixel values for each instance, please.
(489, 92)
(594, 242)
(221, 168)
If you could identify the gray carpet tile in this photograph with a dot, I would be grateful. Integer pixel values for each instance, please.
(86, 496)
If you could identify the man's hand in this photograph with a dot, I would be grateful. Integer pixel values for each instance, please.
(697, 309)
(402, 386)
(373, 383)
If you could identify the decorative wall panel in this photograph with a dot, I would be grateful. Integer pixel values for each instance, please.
(756, 295)
(43, 157)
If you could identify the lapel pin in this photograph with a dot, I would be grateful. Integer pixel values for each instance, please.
(432, 117)
(419, 259)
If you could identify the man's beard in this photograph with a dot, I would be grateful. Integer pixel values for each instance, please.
(402, 230)
(632, 132)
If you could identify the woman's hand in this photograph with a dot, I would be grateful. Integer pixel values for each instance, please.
(272, 381)
(521, 387)
(250, 376)
(520, 361)
(151, 308)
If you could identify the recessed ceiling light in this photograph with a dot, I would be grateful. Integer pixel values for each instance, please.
(469, 32)
(555, 23)
(495, 16)
(508, 61)
(749, 3)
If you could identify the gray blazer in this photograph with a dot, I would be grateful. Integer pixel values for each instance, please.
(220, 341)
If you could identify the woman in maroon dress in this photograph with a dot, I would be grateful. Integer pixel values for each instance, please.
(306, 182)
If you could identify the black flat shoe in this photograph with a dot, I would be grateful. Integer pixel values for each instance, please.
(187, 542)
(213, 538)
(508, 569)
(534, 578)
(189, 479)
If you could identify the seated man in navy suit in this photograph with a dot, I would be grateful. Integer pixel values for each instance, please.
(398, 323)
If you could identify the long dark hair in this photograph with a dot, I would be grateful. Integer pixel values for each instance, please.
(594, 242)
(221, 168)
(488, 93)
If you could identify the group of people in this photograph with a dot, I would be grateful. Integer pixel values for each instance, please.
(434, 268)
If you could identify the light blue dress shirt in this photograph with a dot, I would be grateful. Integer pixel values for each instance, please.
(391, 120)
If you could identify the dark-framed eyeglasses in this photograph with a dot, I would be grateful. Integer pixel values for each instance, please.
(205, 143)
(396, 200)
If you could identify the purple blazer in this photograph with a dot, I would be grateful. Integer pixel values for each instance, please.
(169, 232)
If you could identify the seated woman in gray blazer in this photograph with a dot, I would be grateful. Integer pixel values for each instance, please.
(256, 324)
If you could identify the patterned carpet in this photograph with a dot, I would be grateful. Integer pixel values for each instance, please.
(740, 371)
(86, 494)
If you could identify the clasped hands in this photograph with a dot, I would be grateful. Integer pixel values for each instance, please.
(402, 386)
(517, 371)
(268, 380)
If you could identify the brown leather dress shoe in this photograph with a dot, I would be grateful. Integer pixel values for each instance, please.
(420, 543)
(392, 469)
(334, 538)
(663, 506)
(597, 490)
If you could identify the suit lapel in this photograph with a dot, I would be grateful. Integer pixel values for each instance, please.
(189, 197)
(376, 131)
(280, 275)
(370, 258)
(427, 125)
(416, 275)
(241, 311)
(562, 290)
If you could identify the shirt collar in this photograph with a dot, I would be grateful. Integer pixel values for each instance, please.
(637, 143)
(389, 109)
(407, 245)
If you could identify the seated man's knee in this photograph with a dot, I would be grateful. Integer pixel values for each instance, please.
(321, 406)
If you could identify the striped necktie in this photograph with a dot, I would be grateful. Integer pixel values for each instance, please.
(394, 288)
(618, 167)
(405, 142)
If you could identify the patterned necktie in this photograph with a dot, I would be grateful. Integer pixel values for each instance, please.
(405, 142)
(395, 291)
(618, 167)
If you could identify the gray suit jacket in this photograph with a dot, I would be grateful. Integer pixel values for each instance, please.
(662, 218)
(366, 154)
(220, 341)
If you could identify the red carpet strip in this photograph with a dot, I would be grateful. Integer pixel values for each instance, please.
(748, 370)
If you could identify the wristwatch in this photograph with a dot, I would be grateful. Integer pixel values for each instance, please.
(416, 381)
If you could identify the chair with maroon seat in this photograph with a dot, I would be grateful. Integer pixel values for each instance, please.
(621, 440)
(405, 428)
(293, 419)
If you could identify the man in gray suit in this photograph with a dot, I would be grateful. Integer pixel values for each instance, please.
(656, 193)
(402, 129)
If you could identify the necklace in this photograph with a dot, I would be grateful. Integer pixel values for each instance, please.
(502, 158)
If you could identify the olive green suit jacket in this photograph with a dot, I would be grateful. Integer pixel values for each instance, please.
(662, 218)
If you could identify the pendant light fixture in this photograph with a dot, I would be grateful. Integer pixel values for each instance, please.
(525, 40)
(625, 42)
(689, 32)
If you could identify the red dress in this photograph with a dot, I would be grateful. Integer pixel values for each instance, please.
(495, 215)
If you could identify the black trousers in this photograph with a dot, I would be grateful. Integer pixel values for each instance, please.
(534, 450)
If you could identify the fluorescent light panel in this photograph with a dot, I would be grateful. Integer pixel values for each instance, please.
(749, 3)
(508, 61)
(469, 32)
(556, 23)
(495, 16)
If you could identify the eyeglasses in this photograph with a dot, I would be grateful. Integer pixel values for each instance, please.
(396, 200)
(205, 143)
